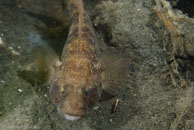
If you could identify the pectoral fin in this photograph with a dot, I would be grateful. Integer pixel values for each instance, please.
(46, 60)
(114, 72)
(40, 71)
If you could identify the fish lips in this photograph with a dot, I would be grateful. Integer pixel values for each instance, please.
(72, 110)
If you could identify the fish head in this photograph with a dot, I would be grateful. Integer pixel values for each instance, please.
(69, 102)
(72, 106)
(74, 97)
(74, 101)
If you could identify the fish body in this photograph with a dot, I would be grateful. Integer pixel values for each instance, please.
(76, 83)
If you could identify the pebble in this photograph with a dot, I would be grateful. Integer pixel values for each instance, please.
(15, 53)
(96, 107)
(1, 42)
(19, 90)
(2, 81)
(10, 48)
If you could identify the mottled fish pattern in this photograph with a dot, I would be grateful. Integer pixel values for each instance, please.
(76, 82)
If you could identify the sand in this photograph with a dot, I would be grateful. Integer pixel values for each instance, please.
(159, 92)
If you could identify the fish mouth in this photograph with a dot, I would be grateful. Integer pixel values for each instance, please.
(71, 117)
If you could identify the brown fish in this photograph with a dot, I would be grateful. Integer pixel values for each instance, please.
(77, 78)
(76, 83)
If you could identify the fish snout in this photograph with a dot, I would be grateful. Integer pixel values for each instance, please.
(72, 110)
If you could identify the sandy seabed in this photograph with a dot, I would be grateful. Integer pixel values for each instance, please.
(157, 40)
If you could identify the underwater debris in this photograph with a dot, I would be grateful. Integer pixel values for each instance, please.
(9, 49)
(1, 42)
(180, 48)
(115, 105)
(176, 40)
(166, 5)
(186, 6)
(182, 107)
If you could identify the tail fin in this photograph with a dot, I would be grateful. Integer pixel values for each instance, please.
(74, 7)
(75, 3)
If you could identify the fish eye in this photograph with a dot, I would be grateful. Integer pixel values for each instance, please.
(89, 92)
(62, 91)
(85, 92)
